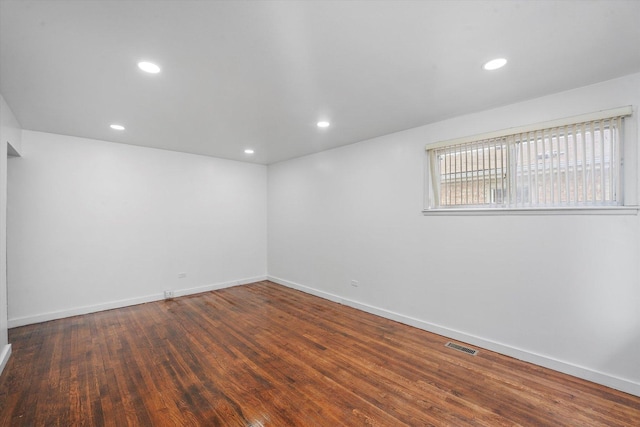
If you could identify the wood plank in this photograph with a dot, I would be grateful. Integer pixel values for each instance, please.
(266, 355)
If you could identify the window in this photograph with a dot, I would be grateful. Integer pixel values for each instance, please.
(572, 163)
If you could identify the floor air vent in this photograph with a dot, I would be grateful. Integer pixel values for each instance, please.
(461, 348)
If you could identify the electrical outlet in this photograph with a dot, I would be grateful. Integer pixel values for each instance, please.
(354, 283)
(182, 275)
(168, 294)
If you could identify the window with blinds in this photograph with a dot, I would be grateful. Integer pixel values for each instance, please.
(569, 163)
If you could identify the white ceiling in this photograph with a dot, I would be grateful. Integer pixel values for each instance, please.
(260, 74)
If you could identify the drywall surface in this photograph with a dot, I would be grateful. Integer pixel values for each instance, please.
(4, 339)
(562, 290)
(95, 225)
(10, 133)
(11, 129)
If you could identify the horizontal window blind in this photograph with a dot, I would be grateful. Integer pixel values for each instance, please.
(570, 165)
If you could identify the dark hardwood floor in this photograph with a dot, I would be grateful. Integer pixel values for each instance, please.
(265, 355)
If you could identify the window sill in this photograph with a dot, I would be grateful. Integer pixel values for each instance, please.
(595, 210)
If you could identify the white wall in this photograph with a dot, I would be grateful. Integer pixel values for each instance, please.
(11, 129)
(10, 133)
(94, 225)
(562, 291)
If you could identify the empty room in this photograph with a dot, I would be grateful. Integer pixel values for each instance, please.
(319, 213)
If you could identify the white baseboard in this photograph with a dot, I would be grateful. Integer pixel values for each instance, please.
(518, 353)
(53, 315)
(525, 355)
(207, 288)
(4, 356)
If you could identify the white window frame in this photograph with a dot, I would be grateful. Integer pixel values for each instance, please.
(628, 167)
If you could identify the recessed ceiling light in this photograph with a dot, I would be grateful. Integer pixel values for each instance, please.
(117, 127)
(149, 67)
(248, 151)
(323, 124)
(494, 64)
